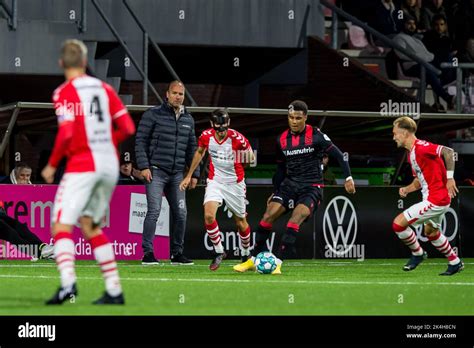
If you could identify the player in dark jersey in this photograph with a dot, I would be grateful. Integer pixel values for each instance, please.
(297, 182)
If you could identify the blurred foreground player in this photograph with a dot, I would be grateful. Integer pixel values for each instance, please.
(229, 152)
(92, 122)
(298, 182)
(18, 234)
(437, 186)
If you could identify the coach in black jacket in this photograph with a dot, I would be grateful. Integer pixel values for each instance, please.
(164, 147)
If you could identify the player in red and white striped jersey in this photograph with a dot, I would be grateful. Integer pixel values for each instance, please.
(229, 152)
(435, 179)
(92, 121)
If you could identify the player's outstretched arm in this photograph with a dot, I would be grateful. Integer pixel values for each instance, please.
(448, 156)
(198, 155)
(414, 186)
(349, 185)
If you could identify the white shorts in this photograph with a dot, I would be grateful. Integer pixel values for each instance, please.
(83, 194)
(424, 213)
(232, 194)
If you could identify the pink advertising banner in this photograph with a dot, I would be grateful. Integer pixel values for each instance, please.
(123, 224)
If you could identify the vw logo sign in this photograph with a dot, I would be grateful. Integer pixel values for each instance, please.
(449, 226)
(340, 225)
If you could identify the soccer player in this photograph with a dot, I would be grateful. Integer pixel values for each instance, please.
(435, 179)
(92, 122)
(297, 182)
(229, 152)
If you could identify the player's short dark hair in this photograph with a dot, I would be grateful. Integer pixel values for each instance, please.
(299, 105)
(174, 82)
(407, 123)
(438, 17)
(73, 54)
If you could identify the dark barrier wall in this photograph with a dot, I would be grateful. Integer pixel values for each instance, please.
(345, 226)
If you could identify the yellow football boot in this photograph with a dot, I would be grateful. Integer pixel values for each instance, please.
(245, 266)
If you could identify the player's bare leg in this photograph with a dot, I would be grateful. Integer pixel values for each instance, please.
(402, 229)
(64, 256)
(273, 212)
(441, 243)
(105, 257)
(244, 234)
(212, 228)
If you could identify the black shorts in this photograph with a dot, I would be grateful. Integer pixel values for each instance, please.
(291, 193)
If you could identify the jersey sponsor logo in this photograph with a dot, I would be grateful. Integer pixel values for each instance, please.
(299, 151)
(340, 225)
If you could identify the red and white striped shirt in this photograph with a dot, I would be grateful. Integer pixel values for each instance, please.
(428, 166)
(226, 156)
(92, 121)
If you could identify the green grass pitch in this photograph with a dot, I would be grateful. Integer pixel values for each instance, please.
(306, 287)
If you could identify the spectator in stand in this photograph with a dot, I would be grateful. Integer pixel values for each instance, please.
(415, 46)
(434, 7)
(467, 56)
(438, 42)
(386, 18)
(411, 9)
(464, 21)
(20, 175)
(129, 175)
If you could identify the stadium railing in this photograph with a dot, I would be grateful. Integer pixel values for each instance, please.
(423, 65)
(15, 109)
(12, 13)
(459, 83)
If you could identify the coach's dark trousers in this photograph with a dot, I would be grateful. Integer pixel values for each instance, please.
(168, 184)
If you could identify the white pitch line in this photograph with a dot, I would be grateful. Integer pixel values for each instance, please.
(214, 280)
(287, 264)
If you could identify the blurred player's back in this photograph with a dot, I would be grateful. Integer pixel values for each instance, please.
(92, 105)
(92, 121)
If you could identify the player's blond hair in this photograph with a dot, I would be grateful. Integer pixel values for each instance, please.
(407, 123)
(73, 54)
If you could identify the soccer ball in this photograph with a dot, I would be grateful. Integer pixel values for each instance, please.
(265, 263)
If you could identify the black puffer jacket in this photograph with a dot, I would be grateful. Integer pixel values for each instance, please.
(164, 141)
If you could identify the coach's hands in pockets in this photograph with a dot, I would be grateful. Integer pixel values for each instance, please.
(48, 173)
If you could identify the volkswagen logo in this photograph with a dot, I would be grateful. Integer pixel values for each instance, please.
(340, 225)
